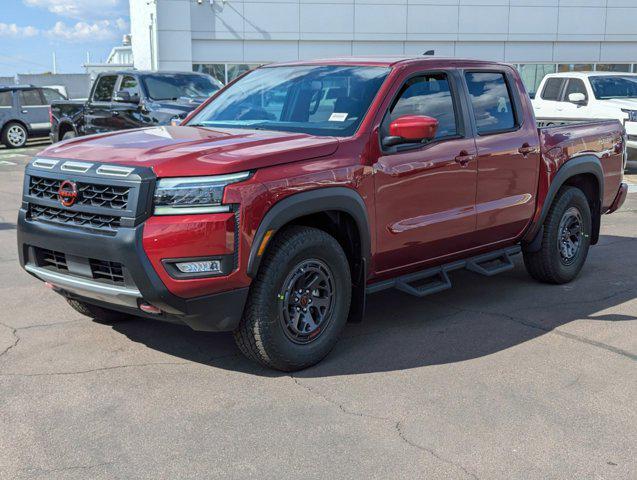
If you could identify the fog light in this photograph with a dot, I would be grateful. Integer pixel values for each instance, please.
(207, 266)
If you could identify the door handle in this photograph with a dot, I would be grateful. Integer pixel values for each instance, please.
(116, 113)
(526, 149)
(464, 158)
(25, 111)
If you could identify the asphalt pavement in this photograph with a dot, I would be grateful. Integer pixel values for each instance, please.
(498, 378)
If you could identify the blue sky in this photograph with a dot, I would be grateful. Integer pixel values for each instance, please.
(30, 30)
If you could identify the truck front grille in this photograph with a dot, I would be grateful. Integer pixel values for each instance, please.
(103, 270)
(111, 271)
(78, 219)
(91, 194)
(53, 259)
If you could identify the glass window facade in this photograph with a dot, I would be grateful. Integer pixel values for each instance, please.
(224, 72)
(533, 73)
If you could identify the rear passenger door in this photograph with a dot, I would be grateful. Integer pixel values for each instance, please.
(33, 109)
(98, 114)
(508, 156)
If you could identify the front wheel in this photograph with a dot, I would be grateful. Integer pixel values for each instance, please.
(565, 240)
(299, 302)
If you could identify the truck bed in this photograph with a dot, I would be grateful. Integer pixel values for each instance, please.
(604, 139)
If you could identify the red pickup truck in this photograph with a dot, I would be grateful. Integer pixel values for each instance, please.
(298, 189)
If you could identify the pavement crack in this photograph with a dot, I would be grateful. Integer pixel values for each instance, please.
(14, 332)
(556, 331)
(93, 370)
(401, 433)
(397, 426)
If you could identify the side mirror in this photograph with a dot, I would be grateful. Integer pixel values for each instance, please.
(411, 129)
(125, 97)
(577, 98)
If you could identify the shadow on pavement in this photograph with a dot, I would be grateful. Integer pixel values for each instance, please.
(479, 316)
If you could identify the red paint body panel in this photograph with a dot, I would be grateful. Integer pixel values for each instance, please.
(426, 206)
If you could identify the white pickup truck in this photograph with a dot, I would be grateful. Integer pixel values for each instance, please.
(583, 96)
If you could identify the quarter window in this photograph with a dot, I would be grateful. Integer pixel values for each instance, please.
(30, 98)
(491, 102)
(428, 95)
(104, 89)
(552, 89)
(6, 99)
(51, 95)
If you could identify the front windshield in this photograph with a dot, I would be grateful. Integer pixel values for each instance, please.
(614, 86)
(318, 100)
(173, 87)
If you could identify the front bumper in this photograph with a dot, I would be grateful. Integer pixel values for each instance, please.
(216, 312)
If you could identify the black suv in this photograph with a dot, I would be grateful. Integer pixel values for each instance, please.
(131, 99)
(24, 113)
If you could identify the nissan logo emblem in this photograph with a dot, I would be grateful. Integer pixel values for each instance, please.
(67, 193)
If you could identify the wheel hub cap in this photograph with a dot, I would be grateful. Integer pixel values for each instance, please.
(15, 135)
(307, 301)
(570, 235)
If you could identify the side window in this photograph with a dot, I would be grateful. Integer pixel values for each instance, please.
(104, 89)
(6, 99)
(575, 85)
(30, 98)
(129, 84)
(552, 89)
(51, 95)
(491, 102)
(428, 95)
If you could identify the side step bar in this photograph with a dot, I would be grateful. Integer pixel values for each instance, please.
(436, 279)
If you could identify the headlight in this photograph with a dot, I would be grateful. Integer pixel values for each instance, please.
(632, 115)
(187, 195)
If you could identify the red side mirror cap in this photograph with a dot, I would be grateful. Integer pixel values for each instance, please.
(414, 128)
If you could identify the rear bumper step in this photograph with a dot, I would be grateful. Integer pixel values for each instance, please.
(436, 279)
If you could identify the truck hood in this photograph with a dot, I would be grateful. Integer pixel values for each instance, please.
(190, 151)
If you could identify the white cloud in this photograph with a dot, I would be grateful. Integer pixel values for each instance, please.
(83, 31)
(80, 9)
(13, 30)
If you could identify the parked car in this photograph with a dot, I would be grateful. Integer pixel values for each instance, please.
(275, 225)
(24, 113)
(583, 96)
(131, 99)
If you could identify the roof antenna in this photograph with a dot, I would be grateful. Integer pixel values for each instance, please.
(430, 52)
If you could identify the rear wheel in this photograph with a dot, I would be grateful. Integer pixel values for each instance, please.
(298, 303)
(15, 135)
(98, 313)
(565, 240)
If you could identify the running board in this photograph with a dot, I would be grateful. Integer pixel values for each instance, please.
(436, 279)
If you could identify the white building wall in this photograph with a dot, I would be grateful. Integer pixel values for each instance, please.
(260, 31)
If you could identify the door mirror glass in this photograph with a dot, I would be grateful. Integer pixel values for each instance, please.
(411, 129)
(125, 97)
(577, 98)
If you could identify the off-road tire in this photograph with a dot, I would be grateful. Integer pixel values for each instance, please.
(98, 313)
(6, 132)
(261, 335)
(547, 264)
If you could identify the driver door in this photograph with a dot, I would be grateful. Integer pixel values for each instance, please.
(426, 193)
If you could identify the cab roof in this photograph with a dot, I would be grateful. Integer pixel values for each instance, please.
(385, 61)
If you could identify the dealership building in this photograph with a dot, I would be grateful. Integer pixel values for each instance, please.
(227, 37)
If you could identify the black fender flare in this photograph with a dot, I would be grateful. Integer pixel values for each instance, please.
(576, 166)
(305, 203)
(66, 121)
